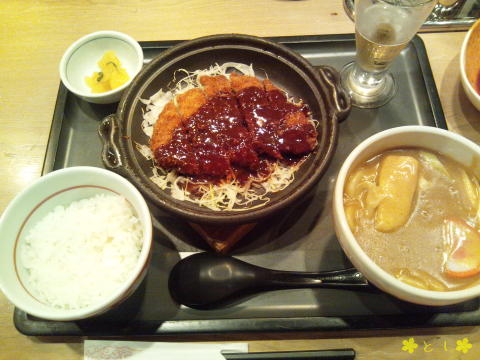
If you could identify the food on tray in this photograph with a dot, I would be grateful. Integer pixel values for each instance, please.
(111, 75)
(461, 263)
(471, 63)
(77, 255)
(416, 214)
(225, 139)
(397, 181)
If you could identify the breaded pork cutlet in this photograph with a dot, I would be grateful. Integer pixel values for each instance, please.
(253, 101)
(228, 124)
(233, 135)
(165, 137)
(296, 135)
(242, 82)
(168, 120)
(207, 135)
(173, 115)
(268, 86)
(169, 143)
(215, 85)
(189, 102)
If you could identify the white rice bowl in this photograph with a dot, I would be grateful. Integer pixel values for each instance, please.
(74, 269)
(75, 244)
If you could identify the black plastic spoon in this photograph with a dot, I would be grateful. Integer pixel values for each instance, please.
(206, 280)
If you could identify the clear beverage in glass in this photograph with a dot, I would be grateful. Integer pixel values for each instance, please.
(382, 29)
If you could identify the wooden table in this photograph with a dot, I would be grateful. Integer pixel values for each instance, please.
(33, 37)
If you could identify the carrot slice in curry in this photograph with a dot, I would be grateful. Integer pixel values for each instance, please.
(464, 241)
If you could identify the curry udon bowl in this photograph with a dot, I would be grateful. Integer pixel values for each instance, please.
(470, 64)
(439, 141)
(317, 87)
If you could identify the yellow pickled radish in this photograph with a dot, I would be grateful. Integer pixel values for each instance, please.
(95, 83)
(111, 75)
(118, 78)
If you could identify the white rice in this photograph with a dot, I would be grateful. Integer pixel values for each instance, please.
(79, 254)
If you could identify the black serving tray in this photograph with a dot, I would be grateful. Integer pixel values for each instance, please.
(301, 238)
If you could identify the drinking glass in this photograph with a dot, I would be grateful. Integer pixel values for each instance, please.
(382, 29)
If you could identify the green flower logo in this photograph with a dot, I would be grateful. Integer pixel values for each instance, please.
(463, 345)
(410, 345)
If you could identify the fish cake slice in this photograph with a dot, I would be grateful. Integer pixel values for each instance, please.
(398, 181)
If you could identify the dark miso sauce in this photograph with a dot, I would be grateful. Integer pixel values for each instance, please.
(238, 136)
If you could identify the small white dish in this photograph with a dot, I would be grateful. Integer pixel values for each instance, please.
(80, 60)
(470, 63)
(438, 140)
(62, 187)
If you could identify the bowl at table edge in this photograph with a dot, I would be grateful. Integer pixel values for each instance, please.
(441, 141)
(80, 60)
(62, 187)
(470, 64)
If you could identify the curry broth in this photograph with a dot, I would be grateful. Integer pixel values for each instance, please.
(417, 252)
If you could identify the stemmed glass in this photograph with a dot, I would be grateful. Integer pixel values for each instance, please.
(382, 29)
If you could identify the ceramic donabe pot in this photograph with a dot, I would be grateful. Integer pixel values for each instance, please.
(318, 87)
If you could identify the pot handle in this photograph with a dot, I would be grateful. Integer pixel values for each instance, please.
(111, 156)
(340, 99)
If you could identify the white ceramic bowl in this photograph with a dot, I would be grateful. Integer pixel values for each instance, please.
(62, 187)
(80, 60)
(470, 63)
(442, 141)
